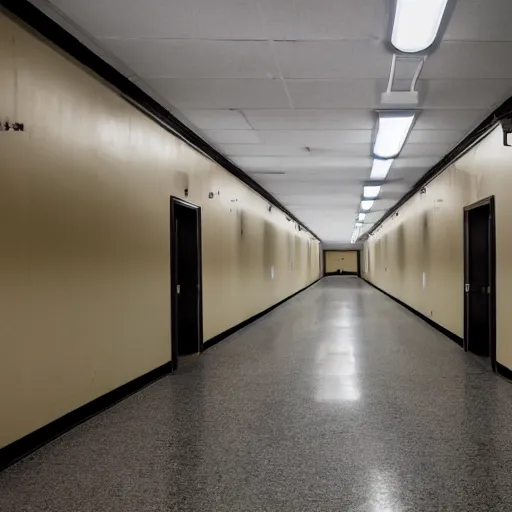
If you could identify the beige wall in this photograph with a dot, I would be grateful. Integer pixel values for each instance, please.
(418, 255)
(84, 253)
(342, 260)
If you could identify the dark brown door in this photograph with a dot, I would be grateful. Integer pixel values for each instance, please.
(479, 313)
(185, 279)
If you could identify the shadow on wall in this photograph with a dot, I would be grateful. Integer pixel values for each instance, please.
(400, 249)
(269, 245)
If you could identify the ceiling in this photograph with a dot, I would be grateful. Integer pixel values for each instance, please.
(287, 89)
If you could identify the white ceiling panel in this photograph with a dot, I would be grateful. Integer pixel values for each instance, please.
(310, 119)
(316, 138)
(232, 136)
(311, 163)
(324, 19)
(217, 119)
(450, 119)
(186, 58)
(480, 20)
(319, 94)
(409, 175)
(434, 136)
(221, 94)
(426, 150)
(423, 162)
(469, 60)
(471, 94)
(178, 19)
(333, 59)
(262, 150)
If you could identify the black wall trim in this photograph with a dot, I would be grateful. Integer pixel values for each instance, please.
(15, 451)
(223, 335)
(504, 110)
(429, 321)
(504, 371)
(60, 37)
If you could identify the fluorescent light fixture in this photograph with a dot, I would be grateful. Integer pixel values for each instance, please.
(371, 192)
(361, 217)
(392, 130)
(416, 24)
(355, 236)
(380, 168)
(366, 205)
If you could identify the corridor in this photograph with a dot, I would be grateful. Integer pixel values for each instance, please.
(339, 400)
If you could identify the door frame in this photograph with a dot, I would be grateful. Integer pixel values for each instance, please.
(492, 274)
(176, 201)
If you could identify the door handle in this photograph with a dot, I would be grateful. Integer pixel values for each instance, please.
(466, 288)
(178, 289)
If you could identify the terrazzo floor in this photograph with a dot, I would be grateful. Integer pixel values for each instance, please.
(338, 400)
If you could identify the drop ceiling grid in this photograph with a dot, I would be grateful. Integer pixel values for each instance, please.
(291, 86)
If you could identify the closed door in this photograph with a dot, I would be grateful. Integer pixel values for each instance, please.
(479, 285)
(185, 280)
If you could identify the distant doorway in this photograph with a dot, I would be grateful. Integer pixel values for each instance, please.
(186, 280)
(479, 279)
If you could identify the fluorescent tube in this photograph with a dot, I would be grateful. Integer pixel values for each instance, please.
(392, 131)
(416, 24)
(380, 168)
(371, 192)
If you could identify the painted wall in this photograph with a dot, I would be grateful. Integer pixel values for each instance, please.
(341, 260)
(84, 253)
(417, 256)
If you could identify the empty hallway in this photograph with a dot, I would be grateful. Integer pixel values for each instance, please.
(338, 400)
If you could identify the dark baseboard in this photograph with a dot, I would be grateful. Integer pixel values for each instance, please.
(504, 371)
(223, 335)
(16, 451)
(429, 321)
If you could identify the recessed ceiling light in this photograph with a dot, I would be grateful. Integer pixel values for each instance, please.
(361, 217)
(380, 168)
(371, 192)
(366, 205)
(416, 24)
(393, 128)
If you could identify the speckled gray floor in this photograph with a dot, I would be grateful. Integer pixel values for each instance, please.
(339, 400)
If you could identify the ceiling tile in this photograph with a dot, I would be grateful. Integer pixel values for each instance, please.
(434, 136)
(450, 119)
(309, 119)
(426, 150)
(324, 19)
(316, 138)
(177, 19)
(262, 150)
(471, 94)
(222, 93)
(217, 119)
(320, 94)
(170, 58)
(467, 60)
(333, 59)
(359, 166)
(480, 20)
(231, 136)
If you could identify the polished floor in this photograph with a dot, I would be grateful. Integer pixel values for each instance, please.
(339, 400)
